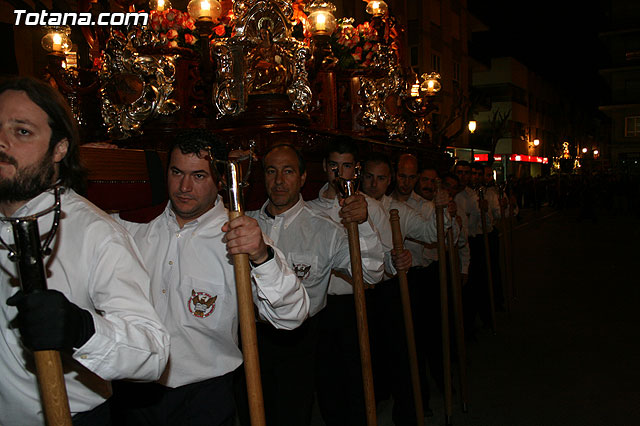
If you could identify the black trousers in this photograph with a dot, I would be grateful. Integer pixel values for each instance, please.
(475, 295)
(206, 403)
(496, 272)
(98, 416)
(391, 361)
(338, 369)
(287, 368)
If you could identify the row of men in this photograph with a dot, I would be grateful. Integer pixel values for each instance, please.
(152, 307)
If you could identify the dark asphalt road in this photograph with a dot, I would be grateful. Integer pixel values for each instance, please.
(569, 352)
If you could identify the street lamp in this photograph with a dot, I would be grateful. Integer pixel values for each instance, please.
(584, 150)
(472, 126)
(536, 142)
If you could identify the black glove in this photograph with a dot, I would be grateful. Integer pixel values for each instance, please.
(47, 320)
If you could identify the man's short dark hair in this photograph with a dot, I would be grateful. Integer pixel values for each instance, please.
(62, 123)
(450, 176)
(302, 167)
(428, 166)
(477, 166)
(342, 145)
(378, 158)
(194, 141)
(461, 163)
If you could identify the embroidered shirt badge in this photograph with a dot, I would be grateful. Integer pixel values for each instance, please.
(201, 304)
(302, 271)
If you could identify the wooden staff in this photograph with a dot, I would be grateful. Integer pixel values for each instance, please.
(408, 319)
(444, 309)
(456, 293)
(246, 314)
(347, 189)
(506, 256)
(48, 364)
(487, 258)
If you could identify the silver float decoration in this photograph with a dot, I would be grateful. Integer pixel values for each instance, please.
(378, 93)
(261, 58)
(134, 87)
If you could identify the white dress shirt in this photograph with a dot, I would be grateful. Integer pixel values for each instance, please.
(315, 245)
(413, 226)
(193, 290)
(377, 221)
(96, 265)
(468, 201)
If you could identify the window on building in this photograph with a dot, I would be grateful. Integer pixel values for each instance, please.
(435, 62)
(456, 72)
(632, 126)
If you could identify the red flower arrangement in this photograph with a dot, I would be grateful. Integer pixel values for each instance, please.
(172, 28)
(354, 47)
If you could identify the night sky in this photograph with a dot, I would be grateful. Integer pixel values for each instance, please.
(557, 39)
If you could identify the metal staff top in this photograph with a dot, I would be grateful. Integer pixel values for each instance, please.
(346, 187)
(28, 251)
(235, 181)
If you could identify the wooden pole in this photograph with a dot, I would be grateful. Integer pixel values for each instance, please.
(408, 319)
(444, 309)
(53, 391)
(506, 257)
(362, 324)
(487, 258)
(52, 388)
(456, 293)
(246, 314)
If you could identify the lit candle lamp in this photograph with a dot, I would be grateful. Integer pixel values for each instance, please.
(57, 42)
(321, 22)
(377, 8)
(415, 89)
(205, 9)
(160, 6)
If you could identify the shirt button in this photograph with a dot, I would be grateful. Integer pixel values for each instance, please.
(177, 235)
(164, 291)
(84, 356)
(171, 262)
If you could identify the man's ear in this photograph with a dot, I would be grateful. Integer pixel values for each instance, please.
(324, 165)
(60, 150)
(303, 179)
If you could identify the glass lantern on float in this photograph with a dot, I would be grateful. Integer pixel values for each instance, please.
(57, 39)
(321, 24)
(377, 8)
(205, 13)
(159, 5)
(419, 93)
(430, 84)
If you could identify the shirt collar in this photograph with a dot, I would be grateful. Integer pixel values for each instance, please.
(40, 202)
(326, 201)
(211, 215)
(287, 216)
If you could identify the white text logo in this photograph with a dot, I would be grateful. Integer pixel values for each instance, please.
(69, 18)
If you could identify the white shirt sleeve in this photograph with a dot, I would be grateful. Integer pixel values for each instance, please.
(278, 294)
(130, 340)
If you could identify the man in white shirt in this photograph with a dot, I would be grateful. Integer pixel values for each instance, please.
(314, 245)
(388, 310)
(475, 293)
(497, 206)
(96, 310)
(339, 379)
(424, 275)
(187, 251)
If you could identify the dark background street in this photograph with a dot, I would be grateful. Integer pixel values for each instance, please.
(569, 352)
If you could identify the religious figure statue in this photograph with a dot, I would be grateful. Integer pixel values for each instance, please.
(266, 63)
